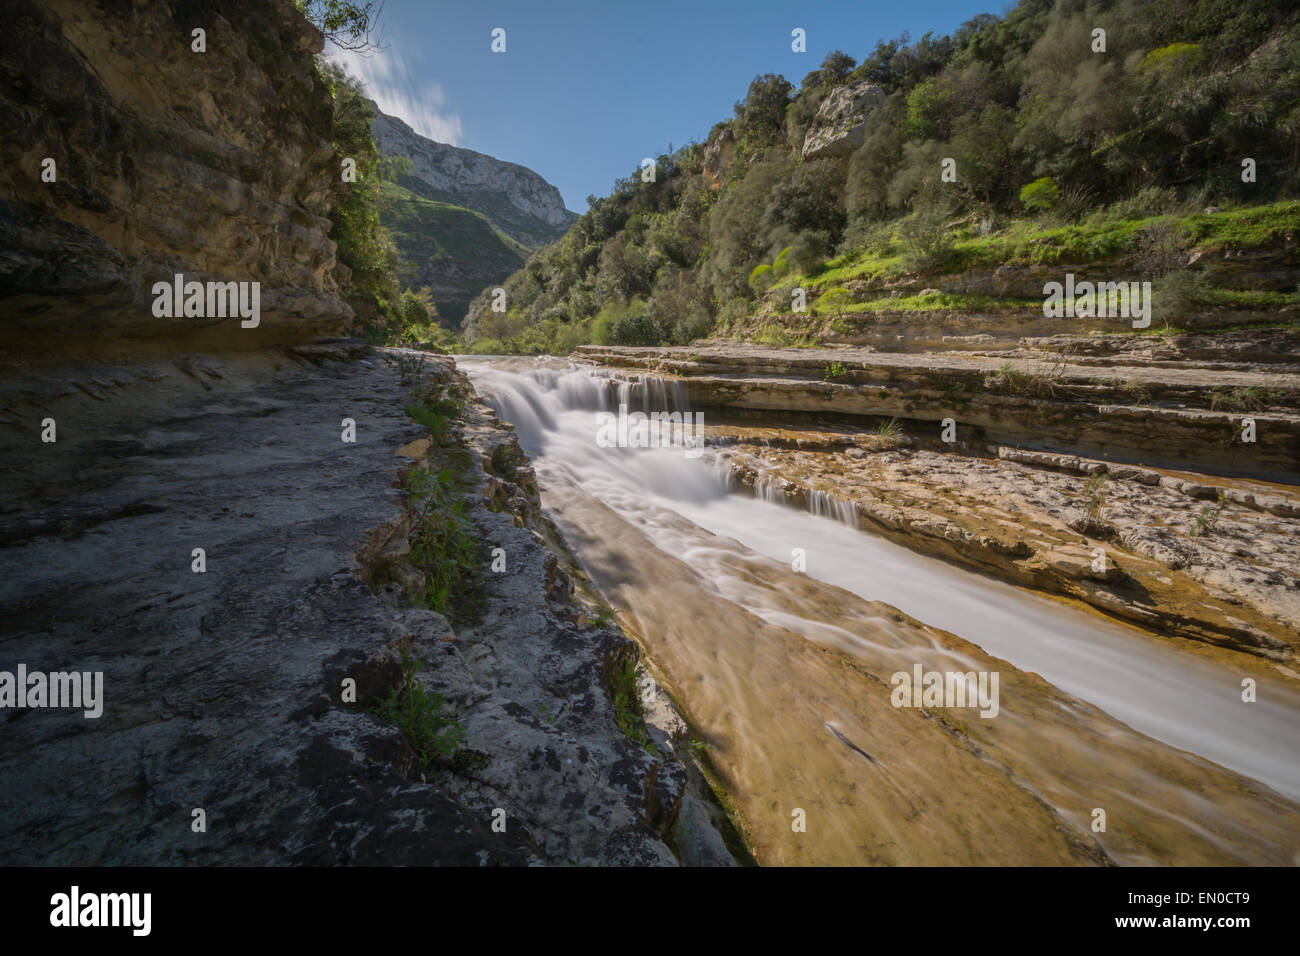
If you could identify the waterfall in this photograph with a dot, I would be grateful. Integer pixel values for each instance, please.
(824, 503)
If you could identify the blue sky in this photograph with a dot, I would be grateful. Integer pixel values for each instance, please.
(586, 89)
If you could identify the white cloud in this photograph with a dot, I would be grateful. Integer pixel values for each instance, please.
(390, 83)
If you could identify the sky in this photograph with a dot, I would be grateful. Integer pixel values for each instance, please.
(587, 88)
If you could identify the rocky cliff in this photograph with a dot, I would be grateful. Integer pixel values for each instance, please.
(165, 160)
(514, 199)
(454, 251)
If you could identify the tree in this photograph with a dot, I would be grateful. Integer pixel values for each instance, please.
(418, 308)
(807, 201)
(836, 68)
(760, 117)
(345, 24)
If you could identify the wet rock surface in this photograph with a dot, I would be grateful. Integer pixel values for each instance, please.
(223, 690)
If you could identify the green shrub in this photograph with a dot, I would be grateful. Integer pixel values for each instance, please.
(760, 278)
(630, 324)
(1039, 195)
(928, 245)
(835, 299)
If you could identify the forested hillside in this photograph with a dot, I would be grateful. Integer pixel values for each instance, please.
(1059, 139)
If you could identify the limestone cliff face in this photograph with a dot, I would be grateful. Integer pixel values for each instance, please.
(515, 199)
(214, 164)
(841, 123)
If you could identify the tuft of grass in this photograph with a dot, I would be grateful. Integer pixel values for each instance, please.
(1138, 391)
(1036, 382)
(890, 434)
(784, 338)
(418, 714)
(833, 371)
(1251, 399)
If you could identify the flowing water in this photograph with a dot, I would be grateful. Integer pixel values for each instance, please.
(786, 675)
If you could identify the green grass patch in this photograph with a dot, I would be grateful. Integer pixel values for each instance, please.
(785, 338)
(1245, 228)
(937, 301)
(1033, 242)
(1245, 298)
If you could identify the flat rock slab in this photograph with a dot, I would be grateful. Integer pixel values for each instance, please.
(221, 689)
(751, 360)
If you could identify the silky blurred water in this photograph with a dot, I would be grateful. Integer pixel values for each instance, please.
(1161, 689)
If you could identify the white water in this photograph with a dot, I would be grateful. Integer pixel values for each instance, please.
(1160, 689)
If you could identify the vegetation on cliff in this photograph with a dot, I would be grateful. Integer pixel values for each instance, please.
(1059, 149)
(367, 192)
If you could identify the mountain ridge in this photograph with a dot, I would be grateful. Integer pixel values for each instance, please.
(476, 179)
(463, 220)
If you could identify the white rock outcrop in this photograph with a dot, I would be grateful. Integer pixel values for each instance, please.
(841, 123)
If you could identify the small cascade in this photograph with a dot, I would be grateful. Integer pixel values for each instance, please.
(650, 393)
(769, 489)
(825, 504)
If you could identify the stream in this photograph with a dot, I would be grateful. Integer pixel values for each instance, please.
(786, 674)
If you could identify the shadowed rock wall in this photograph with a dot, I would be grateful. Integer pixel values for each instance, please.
(214, 164)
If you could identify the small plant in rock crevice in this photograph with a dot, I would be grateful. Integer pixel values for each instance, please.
(418, 714)
(1094, 492)
(1208, 517)
(443, 544)
(626, 698)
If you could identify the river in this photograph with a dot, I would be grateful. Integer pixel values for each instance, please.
(786, 673)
